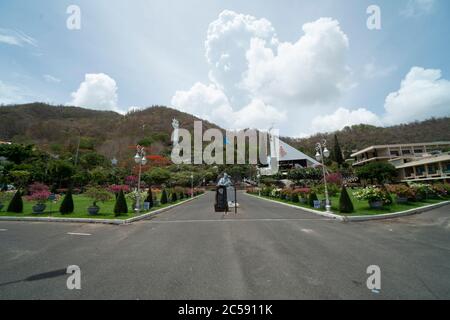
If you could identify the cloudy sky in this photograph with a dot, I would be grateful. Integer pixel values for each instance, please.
(302, 66)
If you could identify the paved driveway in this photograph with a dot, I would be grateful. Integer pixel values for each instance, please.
(267, 251)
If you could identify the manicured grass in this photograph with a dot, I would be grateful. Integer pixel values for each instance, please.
(362, 208)
(81, 204)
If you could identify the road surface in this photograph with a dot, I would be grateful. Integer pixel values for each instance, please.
(267, 251)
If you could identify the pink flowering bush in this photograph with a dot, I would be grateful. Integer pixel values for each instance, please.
(334, 178)
(39, 197)
(117, 188)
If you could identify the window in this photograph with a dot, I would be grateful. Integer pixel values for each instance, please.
(420, 170)
(418, 151)
(406, 151)
(432, 169)
(395, 153)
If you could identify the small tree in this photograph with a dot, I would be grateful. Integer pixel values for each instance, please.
(16, 204)
(312, 198)
(67, 205)
(295, 197)
(164, 197)
(121, 206)
(174, 197)
(98, 194)
(338, 152)
(149, 198)
(345, 203)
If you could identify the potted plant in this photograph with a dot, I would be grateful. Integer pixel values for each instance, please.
(134, 195)
(40, 198)
(402, 192)
(39, 193)
(422, 191)
(376, 196)
(97, 194)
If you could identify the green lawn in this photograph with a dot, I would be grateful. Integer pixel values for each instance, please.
(81, 204)
(362, 208)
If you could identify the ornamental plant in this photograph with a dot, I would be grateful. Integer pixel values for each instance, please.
(312, 198)
(373, 194)
(164, 199)
(134, 195)
(422, 190)
(97, 194)
(16, 204)
(401, 191)
(345, 203)
(121, 206)
(115, 188)
(39, 197)
(440, 190)
(67, 205)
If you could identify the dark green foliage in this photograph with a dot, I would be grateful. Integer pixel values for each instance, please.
(67, 205)
(312, 198)
(121, 206)
(164, 199)
(181, 196)
(16, 204)
(381, 172)
(149, 198)
(345, 203)
(174, 197)
(337, 152)
(295, 198)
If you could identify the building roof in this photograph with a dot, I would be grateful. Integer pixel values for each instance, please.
(406, 145)
(421, 162)
(289, 153)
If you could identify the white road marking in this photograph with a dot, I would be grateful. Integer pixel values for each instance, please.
(78, 234)
(3, 230)
(233, 220)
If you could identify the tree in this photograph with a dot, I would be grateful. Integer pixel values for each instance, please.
(67, 206)
(345, 203)
(149, 198)
(379, 171)
(312, 198)
(16, 204)
(164, 197)
(337, 152)
(156, 176)
(121, 206)
(174, 197)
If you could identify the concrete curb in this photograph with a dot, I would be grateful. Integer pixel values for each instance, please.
(98, 221)
(362, 218)
(320, 213)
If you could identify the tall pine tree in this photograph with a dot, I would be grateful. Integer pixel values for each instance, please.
(338, 152)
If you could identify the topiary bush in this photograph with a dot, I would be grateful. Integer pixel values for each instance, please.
(312, 198)
(164, 199)
(121, 206)
(174, 197)
(345, 203)
(67, 206)
(295, 198)
(149, 198)
(16, 204)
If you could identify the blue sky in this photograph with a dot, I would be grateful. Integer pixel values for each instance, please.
(263, 65)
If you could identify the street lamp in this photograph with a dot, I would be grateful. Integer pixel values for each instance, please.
(322, 153)
(141, 160)
(192, 185)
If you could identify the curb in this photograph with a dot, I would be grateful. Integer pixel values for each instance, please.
(320, 213)
(363, 218)
(116, 222)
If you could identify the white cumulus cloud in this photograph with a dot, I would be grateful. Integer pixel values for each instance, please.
(343, 117)
(257, 80)
(416, 8)
(422, 94)
(97, 91)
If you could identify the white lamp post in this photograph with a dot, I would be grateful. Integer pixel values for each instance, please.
(322, 153)
(192, 185)
(141, 160)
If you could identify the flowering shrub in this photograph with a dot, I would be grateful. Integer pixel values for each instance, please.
(333, 189)
(37, 187)
(422, 190)
(40, 197)
(334, 178)
(373, 194)
(117, 188)
(133, 196)
(275, 193)
(131, 181)
(441, 190)
(402, 191)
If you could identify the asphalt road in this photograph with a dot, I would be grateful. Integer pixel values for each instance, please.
(267, 251)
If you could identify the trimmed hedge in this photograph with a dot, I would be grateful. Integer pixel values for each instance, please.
(312, 198)
(67, 206)
(345, 203)
(16, 204)
(164, 199)
(121, 206)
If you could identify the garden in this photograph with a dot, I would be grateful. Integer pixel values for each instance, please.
(350, 198)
